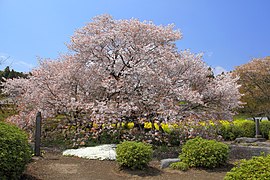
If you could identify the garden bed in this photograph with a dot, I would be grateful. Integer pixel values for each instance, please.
(55, 166)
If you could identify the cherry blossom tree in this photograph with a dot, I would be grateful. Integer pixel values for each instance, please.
(125, 69)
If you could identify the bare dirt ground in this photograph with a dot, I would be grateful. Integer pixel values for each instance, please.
(54, 166)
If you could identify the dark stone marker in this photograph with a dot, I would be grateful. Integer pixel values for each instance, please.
(38, 134)
(257, 123)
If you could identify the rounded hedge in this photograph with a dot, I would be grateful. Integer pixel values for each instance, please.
(199, 152)
(255, 168)
(15, 151)
(239, 128)
(265, 128)
(134, 155)
(247, 127)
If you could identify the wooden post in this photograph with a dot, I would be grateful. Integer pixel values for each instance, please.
(38, 134)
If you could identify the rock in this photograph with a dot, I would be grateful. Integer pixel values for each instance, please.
(247, 152)
(36, 158)
(263, 144)
(164, 163)
(248, 140)
(106, 151)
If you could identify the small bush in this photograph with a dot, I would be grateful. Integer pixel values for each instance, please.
(247, 127)
(255, 168)
(239, 128)
(15, 152)
(134, 155)
(225, 130)
(265, 128)
(179, 166)
(199, 152)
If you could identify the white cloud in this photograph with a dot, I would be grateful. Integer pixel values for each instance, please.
(3, 57)
(23, 64)
(17, 65)
(209, 54)
(218, 70)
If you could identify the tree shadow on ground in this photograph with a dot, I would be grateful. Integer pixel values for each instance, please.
(224, 168)
(26, 176)
(148, 171)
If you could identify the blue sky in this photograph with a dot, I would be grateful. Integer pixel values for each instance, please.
(228, 32)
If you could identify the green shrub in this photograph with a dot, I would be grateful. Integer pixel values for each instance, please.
(199, 152)
(229, 132)
(265, 128)
(255, 168)
(236, 131)
(239, 128)
(15, 152)
(179, 166)
(134, 155)
(7, 110)
(247, 127)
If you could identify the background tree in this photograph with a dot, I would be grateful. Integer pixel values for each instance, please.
(7, 74)
(255, 85)
(125, 69)
(10, 74)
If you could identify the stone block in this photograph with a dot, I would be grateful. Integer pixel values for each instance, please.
(164, 163)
